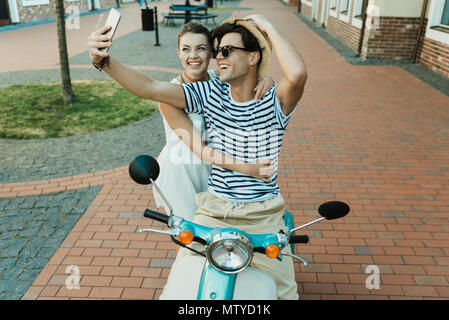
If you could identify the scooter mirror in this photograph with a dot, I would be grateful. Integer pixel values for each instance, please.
(333, 210)
(143, 168)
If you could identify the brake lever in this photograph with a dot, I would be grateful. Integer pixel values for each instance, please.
(295, 257)
(171, 232)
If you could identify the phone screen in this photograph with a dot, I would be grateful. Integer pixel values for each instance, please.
(113, 20)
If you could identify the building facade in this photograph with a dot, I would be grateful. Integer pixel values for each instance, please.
(20, 11)
(405, 30)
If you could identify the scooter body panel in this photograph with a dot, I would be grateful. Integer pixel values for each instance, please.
(215, 285)
(184, 282)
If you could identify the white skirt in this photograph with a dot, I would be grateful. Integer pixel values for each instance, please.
(182, 173)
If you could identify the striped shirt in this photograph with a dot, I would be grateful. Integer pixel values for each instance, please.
(247, 131)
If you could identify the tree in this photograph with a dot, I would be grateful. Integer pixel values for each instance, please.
(67, 92)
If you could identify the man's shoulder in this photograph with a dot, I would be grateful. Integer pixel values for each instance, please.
(213, 82)
(205, 88)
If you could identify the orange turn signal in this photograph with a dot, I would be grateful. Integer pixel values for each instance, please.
(186, 237)
(272, 251)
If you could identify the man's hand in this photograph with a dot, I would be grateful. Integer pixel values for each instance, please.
(96, 41)
(260, 21)
(291, 86)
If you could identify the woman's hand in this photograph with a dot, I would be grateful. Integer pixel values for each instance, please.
(262, 87)
(261, 169)
(97, 40)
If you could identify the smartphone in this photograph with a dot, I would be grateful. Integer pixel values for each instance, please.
(113, 20)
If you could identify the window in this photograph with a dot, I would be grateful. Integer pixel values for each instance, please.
(440, 19)
(445, 17)
(357, 13)
(333, 8)
(29, 3)
(438, 26)
(344, 5)
(333, 5)
(358, 7)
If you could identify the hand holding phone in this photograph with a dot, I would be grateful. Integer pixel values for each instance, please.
(112, 21)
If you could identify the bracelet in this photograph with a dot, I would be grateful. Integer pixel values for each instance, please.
(103, 63)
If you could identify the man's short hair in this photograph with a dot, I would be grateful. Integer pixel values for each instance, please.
(249, 40)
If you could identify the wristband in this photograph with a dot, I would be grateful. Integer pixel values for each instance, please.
(103, 63)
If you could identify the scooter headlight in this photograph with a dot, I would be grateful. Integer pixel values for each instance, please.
(229, 252)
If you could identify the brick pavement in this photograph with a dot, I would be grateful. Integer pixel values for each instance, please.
(373, 136)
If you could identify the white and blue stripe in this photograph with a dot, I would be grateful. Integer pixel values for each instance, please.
(247, 131)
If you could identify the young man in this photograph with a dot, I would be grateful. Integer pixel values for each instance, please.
(238, 125)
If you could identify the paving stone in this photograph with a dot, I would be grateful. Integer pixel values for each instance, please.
(11, 273)
(5, 285)
(42, 232)
(362, 250)
(131, 215)
(163, 263)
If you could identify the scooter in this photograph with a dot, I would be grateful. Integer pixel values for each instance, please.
(223, 272)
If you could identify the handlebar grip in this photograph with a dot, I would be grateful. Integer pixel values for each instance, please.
(299, 239)
(156, 216)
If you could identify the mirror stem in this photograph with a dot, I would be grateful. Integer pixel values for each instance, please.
(170, 220)
(305, 225)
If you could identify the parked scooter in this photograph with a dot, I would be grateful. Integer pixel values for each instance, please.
(223, 272)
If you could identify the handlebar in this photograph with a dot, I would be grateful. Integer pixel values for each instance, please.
(299, 239)
(156, 216)
(164, 219)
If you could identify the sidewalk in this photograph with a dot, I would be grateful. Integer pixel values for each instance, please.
(373, 136)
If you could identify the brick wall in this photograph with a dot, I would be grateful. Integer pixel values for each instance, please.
(32, 13)
(345, 31)
(435, 56)
(395, 39)
(42, 12)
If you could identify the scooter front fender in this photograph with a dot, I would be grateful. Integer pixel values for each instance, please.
(184, 282)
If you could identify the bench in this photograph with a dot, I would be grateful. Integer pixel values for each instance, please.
(170, 17)
(206, 17)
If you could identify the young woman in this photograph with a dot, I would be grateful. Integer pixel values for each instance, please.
(183, 174)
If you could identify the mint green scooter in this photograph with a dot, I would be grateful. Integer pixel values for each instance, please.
(223, 272)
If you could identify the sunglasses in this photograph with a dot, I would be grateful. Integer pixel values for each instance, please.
(226, 50)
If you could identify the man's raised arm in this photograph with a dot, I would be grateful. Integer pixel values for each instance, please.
(291, 87)
(132, 80)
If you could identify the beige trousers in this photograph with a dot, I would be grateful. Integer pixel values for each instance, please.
(254, 217)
